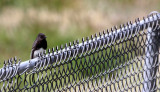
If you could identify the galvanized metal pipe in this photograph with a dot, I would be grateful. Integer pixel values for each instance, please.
(72, 51)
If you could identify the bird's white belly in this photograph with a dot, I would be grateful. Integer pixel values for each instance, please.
(36, 52)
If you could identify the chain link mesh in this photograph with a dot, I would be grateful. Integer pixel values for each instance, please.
(116, 60)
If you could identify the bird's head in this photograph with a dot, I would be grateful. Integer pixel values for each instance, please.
(41, 36)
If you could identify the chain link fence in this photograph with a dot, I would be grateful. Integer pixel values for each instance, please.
(124, 59)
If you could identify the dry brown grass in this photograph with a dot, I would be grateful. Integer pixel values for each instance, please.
(98, 15)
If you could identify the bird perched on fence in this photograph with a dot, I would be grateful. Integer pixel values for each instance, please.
(39, 45)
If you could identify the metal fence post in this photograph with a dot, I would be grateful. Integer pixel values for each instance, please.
(151, 60)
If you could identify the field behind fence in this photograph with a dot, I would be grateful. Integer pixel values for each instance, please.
(125, 58)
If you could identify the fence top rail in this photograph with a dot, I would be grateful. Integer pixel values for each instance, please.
(14, 66)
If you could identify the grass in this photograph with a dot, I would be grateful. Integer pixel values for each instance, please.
(57, 5)
(81, 68)
(87, 66)
(17, 41)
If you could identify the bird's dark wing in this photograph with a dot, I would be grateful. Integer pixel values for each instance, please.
(34, 44)
(32, 53)
(33, 48)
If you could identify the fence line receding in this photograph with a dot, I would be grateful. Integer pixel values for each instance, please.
(120, 59)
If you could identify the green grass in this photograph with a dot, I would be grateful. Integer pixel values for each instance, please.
(57, 5)
(81, 68)
(86, 66)
(18, 42)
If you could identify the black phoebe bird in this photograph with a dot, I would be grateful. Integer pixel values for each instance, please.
(39, 45)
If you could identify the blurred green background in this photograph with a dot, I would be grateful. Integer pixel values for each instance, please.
(62, 21)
